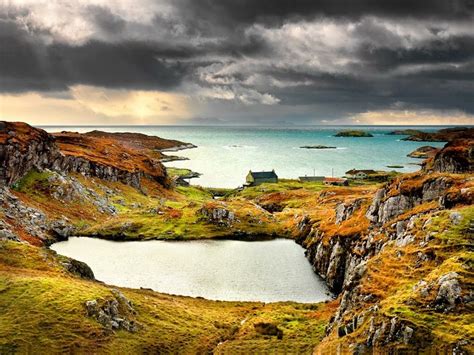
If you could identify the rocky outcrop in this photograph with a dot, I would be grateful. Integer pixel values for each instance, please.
(423, 152)
(385, 207)
(68, 188)
(114, 313)
(218, 215)
(456, 157)
(342, 260)
(33, 221)
(337, 259)
(449, 291)
(345, 210)
(94, 169)
(123, 157)
(6, 232)
(78, 268)
(23, 148)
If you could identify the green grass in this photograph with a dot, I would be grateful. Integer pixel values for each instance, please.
(173, 172)
(283, 185)
(32, 181)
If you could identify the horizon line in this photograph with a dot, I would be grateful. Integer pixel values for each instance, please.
(248, 125)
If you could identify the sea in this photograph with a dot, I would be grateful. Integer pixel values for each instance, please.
(225, 154)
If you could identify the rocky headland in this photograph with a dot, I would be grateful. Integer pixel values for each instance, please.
(397, 255)
(125, 157)
(442, 135)
(423, 152)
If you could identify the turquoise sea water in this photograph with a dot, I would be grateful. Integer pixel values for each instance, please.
(226, 154)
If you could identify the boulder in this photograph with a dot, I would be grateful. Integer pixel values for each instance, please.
(78, 268)
(113, 313)
(449, 291)
(218, 215)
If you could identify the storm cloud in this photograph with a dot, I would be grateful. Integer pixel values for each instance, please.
(304, 61)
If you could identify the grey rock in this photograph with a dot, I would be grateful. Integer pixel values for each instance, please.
(113, 313)
(373, 211)
(218, 215)
(407, 334)
(455, 217)
(8, 235)
(400, 228)
(449, 292)
(79, 268)
(345, 210)
(408, 239)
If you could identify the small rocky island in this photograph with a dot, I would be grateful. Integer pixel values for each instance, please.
(403, 132)
(317, 147)
(353, 133)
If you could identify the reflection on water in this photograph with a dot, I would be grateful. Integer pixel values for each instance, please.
(230, 270)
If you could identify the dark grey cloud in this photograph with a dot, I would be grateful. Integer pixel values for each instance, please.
(271, 11)
(29, 64)
(341, 57)
(106, 20)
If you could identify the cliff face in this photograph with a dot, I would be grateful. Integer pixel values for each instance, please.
(110, 156)
(23, 148)
(403, 244)
(456, 157)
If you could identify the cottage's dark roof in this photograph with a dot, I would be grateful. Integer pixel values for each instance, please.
(354, 171)
(263, 174)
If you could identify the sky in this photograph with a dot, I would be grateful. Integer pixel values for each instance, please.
(276, 62)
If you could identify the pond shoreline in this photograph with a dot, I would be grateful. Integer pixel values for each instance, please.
(249, 268)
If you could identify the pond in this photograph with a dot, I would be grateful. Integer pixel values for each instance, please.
(228, 270)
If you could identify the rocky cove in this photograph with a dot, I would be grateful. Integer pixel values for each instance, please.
(396, 255)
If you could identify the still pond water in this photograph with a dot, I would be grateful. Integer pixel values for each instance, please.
(230, 270)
